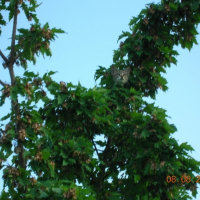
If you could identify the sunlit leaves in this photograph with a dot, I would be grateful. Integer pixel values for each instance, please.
(186, 147)
(55, 30)
(133, 21)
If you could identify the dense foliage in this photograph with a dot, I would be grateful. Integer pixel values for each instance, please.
(138, 157)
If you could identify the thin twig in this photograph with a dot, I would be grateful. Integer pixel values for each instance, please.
(4, 57)
(12, 53)
(92, 140)
(95, 148)
(2, 83)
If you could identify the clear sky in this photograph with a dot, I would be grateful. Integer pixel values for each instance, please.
(93, 28)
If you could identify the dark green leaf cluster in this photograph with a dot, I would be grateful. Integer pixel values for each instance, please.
(149, 47)
(60, 143)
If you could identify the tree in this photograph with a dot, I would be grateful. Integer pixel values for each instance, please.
(59, 150)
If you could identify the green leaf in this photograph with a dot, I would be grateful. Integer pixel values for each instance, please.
(52, 88)
(133, 21)
(7, 148)
(48, 52)
(34, 60)
(11, 14)
(5, 117)
(145, 133)
(23, 180)
(194, 6)
(23, 31)
(51, 73)
(172, 142)
(11, 132)
(101, 143)
(29, 74)
(46, 26)
(147, 169)
(65, 163)
(173, 6)
(47, 183)
(57, 190)
(38, 96)
(34, 16)
(159, 41)
(32, 193)
(4, 195)
(178, 164)
(13, 2)
(149, 38)
(124, 34)
(72, 161)
(43, 195)
(162, 80)
(60, 99)
(166, 126)
(78, 112)
(139, 52)
(45, 154)
(64, 154)
(116, 55)
(55, 30)
(186, 146)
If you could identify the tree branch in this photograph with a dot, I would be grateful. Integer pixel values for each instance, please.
(95, 148)
(12, 53)
(107, 174)
(22, 160)
(5, 59)
(2, 83)
(92, 140)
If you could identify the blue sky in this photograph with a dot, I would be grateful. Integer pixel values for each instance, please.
(93, 28)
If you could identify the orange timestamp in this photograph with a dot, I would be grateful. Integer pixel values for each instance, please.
(184, 179)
